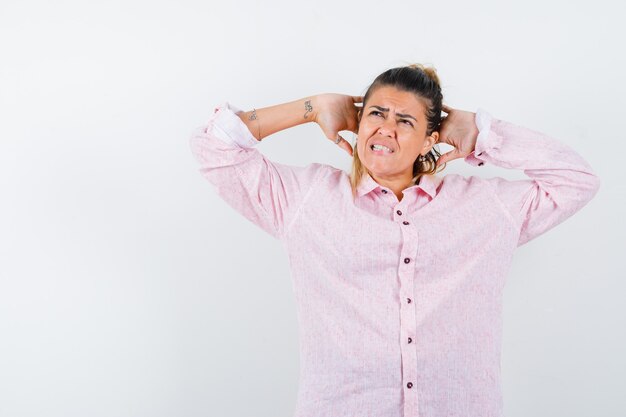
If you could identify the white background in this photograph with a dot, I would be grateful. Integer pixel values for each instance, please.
(128, 288)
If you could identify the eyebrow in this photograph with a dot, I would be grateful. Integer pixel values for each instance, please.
(399, 114)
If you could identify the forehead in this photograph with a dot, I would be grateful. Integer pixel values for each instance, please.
(397, 101)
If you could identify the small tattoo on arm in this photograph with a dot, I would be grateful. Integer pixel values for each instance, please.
(253, 116)
(308, 107)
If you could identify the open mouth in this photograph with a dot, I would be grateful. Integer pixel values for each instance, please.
(381, 149)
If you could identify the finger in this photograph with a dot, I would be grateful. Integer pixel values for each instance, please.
(357, 99)
(348, 149)
(447, 109)
(343, 144)
(448, 156)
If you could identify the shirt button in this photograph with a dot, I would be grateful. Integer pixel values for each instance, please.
(410, 384)
(410, 340)
(407, 260)
(399, 213)
(408, 300)
(384, 191)
(405, 222)
(481, 164)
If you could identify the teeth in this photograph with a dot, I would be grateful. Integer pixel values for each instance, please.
(380, 148)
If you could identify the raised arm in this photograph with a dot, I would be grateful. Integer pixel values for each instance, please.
(560, 181)
(332, 112)
(266, 121)
(265, 192)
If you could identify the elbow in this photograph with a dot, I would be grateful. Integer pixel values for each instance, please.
(595, 185)
(577, 193)
(589, 188)
(198, 145)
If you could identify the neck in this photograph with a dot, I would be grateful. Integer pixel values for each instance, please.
(396, 184)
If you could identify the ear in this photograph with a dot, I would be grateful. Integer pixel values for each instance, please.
(429, 142)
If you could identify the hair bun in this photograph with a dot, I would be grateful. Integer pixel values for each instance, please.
(431, 72)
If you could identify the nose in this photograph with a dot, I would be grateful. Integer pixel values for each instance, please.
(388, 127)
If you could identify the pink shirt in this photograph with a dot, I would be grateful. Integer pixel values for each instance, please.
(399, 303)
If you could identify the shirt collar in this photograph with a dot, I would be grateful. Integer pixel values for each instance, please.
(427, 183)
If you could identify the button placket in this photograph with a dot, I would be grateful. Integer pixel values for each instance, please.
(408, 319)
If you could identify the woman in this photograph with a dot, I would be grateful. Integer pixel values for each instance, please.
(398, 273)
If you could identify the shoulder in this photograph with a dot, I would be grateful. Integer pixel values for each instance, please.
(328, 178)
(327, 171)
(459, 184)
(325, 174)
(313, 169)
(462, 180)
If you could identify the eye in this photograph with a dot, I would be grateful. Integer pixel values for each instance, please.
(408, 122)
(375, 112)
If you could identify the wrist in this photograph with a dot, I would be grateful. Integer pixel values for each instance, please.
(309, 107)
(312, 106)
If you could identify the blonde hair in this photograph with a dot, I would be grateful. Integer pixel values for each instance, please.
(424, 83)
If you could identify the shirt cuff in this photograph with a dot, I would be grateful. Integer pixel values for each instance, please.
(485, 141)
(228, 127)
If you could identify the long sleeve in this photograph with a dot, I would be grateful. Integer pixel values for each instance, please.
(265, 192)
(561, 181)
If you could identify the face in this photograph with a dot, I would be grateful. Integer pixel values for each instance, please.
(392, 134)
